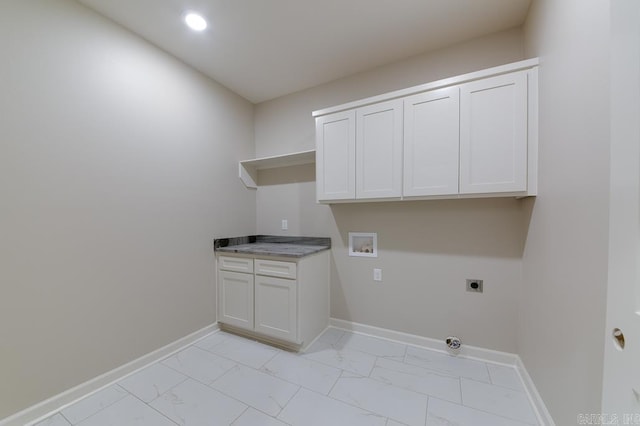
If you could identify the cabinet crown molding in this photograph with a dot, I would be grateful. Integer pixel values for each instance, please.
(438, 84)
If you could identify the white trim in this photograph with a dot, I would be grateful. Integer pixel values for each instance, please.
(544, 417)
(502, 69)
(471, 352)
(532, 132)
(48, 407)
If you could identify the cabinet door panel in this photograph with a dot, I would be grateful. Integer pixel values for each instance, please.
(379, 150)
(335, 156)
(276, 307)
(236, 299)
(431, 143)
(493, 135)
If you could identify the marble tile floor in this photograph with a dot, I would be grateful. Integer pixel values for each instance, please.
(343, 379)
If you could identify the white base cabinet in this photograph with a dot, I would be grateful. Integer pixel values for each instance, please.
(280, 299)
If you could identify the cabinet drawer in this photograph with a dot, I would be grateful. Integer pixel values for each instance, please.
(237, 264)
(274, 268)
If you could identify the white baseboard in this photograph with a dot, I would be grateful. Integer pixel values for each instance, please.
(48, 407)
(466, 351)
(544, 417)
(472, 352)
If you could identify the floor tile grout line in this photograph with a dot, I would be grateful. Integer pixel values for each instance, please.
(426, 370)
(288, 400)
(197, 379)
(521, 387)
(443, 373)
(435, 372)
(488, 412)
(148, 404)
(198, 342)
(69, 421)
(249, 405)
(220, 391)
(349, 404)
(486, 367)
(236, 361)
(209, 385)
(364, 409)
(351, 348)
(336, 382)
(429, 396)
(297, 384)
(521, 391)
(418, 392)
(327, 364)
(102, 408)
(268, 361)
(287, 403)
(240, 415)
(426, 413)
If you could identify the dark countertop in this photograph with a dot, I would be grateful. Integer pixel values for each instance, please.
(271, 245)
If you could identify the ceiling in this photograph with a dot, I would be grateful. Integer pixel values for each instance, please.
(263, 49)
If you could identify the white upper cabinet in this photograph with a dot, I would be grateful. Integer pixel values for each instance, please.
(379, 150)
(336, 156)
(473, 135)
(493, 134)
(431, 143)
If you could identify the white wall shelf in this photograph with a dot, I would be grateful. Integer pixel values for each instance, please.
(248, 169)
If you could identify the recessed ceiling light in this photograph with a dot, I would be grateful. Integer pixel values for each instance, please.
(195, 21)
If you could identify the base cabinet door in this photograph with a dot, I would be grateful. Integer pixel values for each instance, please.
(236, 299)
(276, 307)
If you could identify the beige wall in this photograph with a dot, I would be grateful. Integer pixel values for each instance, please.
(117, 168)
(426, 249)
(561, 327)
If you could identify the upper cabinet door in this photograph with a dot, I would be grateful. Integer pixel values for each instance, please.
(493, 134)
(336, 156)
(431, 143)
(379, 150)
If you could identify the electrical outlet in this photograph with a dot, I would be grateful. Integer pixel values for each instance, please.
(474, 285)
(285, 224)
(377, 274)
